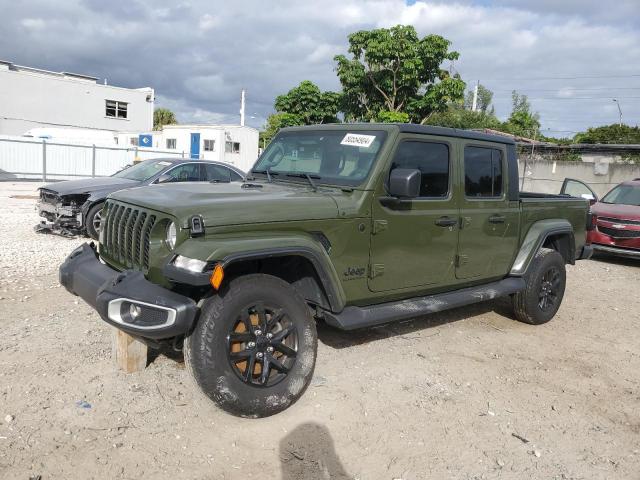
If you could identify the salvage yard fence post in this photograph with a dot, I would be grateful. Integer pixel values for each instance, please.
(44, 160)
(93, 161)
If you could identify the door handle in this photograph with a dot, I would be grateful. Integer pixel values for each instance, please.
(497, 219)
(446, 222)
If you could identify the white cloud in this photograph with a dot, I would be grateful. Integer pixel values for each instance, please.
(199, 55)
(33, 23)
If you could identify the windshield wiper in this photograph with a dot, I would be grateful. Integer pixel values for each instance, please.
(268, 172)
(308, 177)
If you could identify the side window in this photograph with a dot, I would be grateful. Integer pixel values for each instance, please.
(187, 172)
(432, 159)
(482, 172)
(217, 173)
(576, 188)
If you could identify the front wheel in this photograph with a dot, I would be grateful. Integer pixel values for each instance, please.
(93, 221)
(545, 285)
(253, 349)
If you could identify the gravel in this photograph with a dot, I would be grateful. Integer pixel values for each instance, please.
(468, 393)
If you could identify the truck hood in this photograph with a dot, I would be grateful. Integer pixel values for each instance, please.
(231, 204)
(615, 210)
(89, 185)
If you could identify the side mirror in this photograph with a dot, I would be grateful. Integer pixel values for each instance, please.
(164, 178)
(405, 183)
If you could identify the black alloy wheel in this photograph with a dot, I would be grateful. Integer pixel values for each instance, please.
(262, 345)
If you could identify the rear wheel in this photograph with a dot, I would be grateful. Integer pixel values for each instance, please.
(253, 350)
(93, 221)
(546, 280)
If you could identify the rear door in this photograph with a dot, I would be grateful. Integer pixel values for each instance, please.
(577, 188)
(489, 222)
(414, 241)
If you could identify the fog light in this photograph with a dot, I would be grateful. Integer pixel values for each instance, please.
(134, 311)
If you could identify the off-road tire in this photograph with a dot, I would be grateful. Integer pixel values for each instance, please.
(88, 221)
(206, 349)
(527, 303)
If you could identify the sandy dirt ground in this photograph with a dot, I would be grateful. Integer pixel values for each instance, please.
(467, 394)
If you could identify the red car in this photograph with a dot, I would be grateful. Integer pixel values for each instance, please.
(615, 218)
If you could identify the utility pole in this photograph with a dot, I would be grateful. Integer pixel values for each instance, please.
(619, 109)
(475, 97)
(242, 108)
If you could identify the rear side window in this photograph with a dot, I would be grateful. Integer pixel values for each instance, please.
(432, 159)
(482, 172)
(217, 173)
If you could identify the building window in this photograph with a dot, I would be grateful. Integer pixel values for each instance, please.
(116, 109)
(171, 143)
(209, 145)
(133, 141)
(232, 147)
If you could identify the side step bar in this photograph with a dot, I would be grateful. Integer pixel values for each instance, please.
(359, 317)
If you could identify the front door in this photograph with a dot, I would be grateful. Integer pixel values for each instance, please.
(414, 241)
(489, 223)
(195, 145)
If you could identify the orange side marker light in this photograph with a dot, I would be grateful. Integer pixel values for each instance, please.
(216, 277)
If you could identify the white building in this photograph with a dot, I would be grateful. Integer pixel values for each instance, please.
(32, 98)
(234, 144)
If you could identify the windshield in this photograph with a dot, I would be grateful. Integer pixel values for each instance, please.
(623, 195)
(144, 170)
(331, 157)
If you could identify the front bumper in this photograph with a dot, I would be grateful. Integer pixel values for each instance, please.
(621, 252)
(126, 299)
(59, 215)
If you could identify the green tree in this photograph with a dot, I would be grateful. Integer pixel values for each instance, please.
(615, 133)
(485, 96)
(309, 104)
(393, 70)
(458, 117)
(275, 122)
(522, 122)
(162, 117)
(386, 116)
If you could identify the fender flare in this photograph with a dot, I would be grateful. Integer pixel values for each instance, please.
(535, 238)
(323, 267)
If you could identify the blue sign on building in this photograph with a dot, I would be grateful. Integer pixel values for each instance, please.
(145, 140)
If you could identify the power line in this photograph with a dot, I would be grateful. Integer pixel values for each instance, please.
(634, 75)
(573, 89)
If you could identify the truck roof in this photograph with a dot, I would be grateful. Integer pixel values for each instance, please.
(412, 128)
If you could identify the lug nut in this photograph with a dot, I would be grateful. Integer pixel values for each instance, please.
(269, 335)
(259, 354)
(252, 344)
(269, 349)
(258, 332)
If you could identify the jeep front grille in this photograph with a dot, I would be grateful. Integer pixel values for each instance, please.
(127, 234)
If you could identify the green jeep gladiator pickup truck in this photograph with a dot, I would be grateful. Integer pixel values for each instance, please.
(355, 225)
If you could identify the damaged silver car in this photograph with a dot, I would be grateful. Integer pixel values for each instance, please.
(74, 207)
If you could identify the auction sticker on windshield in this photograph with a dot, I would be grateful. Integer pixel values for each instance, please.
(355, 140)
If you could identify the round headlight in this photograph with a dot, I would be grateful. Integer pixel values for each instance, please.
(171, 235)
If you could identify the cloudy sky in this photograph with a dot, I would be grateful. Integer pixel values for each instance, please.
(571, 57)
